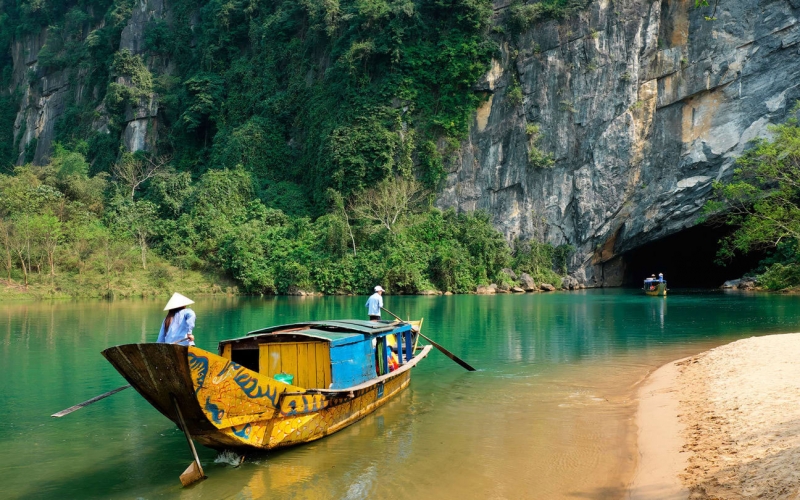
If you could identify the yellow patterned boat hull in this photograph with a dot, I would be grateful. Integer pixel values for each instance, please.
(656, 289)
(226, 405)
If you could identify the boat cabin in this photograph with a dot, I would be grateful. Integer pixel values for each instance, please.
(323, 354)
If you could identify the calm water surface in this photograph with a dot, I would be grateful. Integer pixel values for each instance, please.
(549, 414)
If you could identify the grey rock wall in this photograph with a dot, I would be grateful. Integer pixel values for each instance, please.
(141, 129)
(642, 105)
(46, 93)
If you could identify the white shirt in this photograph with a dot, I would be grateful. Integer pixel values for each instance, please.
(374, 304)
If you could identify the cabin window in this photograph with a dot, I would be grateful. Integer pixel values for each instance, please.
(246, 357)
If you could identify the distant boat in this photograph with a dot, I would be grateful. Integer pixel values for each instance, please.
(655, 287)
(275, 387)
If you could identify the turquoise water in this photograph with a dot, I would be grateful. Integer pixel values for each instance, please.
(549, 414)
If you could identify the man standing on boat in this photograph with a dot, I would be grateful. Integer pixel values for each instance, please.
(179, 323)
(374, 304)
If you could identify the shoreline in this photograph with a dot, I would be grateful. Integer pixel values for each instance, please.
(39, 292)
(724, 423)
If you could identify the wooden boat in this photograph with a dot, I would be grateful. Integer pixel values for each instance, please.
(341, 373)
(655, 287)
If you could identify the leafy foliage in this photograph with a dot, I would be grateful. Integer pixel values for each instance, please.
(763, 202)
(289, 135)
(523, 15)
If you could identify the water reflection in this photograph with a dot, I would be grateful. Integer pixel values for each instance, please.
(547, 416)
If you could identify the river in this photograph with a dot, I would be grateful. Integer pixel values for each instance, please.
(549, 414)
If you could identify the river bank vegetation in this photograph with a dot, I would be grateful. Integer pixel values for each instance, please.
(763, 203)
(147, 227)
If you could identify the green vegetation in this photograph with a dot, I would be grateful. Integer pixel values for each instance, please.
(763, 203)
(523, 15)
(545, 263)
(286, 132)
(66, 232)
(314, 94)
(61, 235)
(536, 157)
(514, 94)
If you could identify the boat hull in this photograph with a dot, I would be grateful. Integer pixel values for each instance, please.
(226, 405)
(659, 289)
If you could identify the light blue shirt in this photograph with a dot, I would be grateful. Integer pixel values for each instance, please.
(181, 326)
(374, 304)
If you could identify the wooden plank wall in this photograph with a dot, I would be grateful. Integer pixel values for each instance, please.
(352, 364)
(309, 362)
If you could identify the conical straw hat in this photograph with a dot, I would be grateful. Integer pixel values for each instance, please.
(177, 300)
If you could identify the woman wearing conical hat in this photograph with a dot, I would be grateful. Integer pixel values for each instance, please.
(179, 323)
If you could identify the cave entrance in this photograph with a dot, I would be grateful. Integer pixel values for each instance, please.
(687, 260)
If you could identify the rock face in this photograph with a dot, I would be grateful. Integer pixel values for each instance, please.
(527, 282)
(46, 93)
(740, 284)
(641, 104)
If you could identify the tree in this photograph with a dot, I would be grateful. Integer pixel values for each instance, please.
(5, 237)
(138, 219)
(763, 198)
(341, 211)
(46, 229)
(84, 240)
(111, 256)
(134, 169)
(20, 242)
(388, 202)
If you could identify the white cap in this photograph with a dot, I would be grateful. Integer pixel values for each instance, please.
(177, 300)
(379, 289)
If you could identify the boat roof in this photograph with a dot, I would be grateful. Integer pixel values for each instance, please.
(343, 325)
(337, 332)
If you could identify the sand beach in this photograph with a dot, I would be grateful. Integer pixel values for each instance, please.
(722, 424)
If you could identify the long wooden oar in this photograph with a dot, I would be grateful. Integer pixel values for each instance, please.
(444, 351)
(194, 472)
(97, 398)
(88, 402)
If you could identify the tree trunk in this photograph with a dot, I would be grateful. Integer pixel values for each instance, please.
(24, 268)
(143, 245)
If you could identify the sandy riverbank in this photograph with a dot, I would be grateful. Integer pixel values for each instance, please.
(723, 424)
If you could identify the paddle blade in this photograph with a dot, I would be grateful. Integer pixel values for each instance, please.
(87, 403)
(192, 474)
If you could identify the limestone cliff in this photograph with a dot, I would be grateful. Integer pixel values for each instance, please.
(46, 92)
(642, 105)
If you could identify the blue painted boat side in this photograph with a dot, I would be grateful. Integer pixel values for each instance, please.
(352, 364)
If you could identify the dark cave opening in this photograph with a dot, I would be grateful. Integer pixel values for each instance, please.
(687, 260)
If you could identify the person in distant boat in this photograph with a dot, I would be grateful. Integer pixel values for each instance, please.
(374, 304)
(179, 323)
(660, 277)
